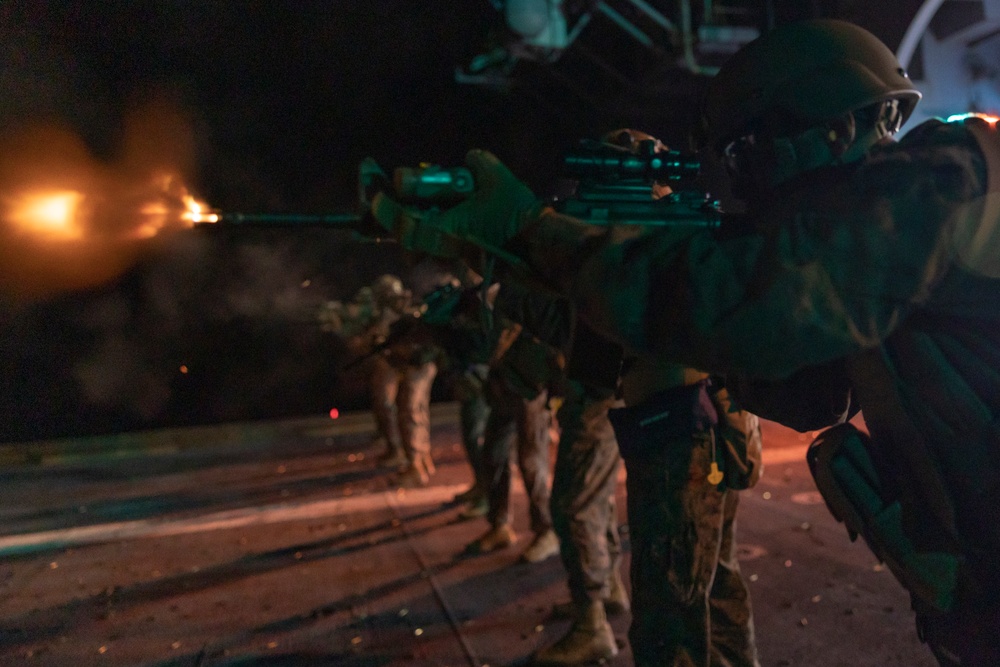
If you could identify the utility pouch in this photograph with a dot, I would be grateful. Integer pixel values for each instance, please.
(847, 478)
(644, 430)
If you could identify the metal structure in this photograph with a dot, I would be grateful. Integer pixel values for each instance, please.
(696, 37)
(952, 52)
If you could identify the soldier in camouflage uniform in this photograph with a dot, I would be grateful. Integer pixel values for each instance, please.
(521, 372)
(453, 320)
(414, 362)
(391, 302)
(583, 507)
(401, 376)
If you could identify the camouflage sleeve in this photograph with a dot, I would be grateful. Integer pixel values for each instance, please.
(838, 262)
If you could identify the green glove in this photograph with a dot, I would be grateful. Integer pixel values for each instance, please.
(498, 209)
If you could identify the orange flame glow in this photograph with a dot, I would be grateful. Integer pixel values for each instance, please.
(142, 212)
(168, 205)
(195, 211)
(50, 214)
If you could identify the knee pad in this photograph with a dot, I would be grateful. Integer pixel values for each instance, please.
(848, 479)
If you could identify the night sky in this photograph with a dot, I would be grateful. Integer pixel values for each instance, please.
(280, 102)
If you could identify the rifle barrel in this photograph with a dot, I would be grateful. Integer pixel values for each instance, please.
(345, 220)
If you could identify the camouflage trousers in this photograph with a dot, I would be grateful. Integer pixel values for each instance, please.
(514, 419)
(473, 411)
(584, 512)
(401, 400)
(690, 605)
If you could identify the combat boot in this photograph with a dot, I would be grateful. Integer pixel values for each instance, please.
(590, 639)
(545, 545)
(498, 537)
(617, 601)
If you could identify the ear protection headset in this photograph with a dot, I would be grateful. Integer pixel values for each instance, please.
(818, 146)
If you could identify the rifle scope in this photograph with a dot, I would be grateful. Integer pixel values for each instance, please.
(602, 161)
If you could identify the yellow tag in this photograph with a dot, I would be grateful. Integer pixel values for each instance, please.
(714, 475)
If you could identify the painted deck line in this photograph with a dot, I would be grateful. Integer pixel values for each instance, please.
(239, 518)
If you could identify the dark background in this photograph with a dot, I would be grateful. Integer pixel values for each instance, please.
(284, 100)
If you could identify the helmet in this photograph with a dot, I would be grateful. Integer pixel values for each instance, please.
(633, 140)
(626, 137)
(388, 291)
(811, 71)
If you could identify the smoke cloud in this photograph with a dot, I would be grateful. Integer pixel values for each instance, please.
(201, 311)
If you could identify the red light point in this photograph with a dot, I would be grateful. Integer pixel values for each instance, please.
(334, 413)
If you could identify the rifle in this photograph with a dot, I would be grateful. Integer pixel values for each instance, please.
(615, 185)
(603, 184)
